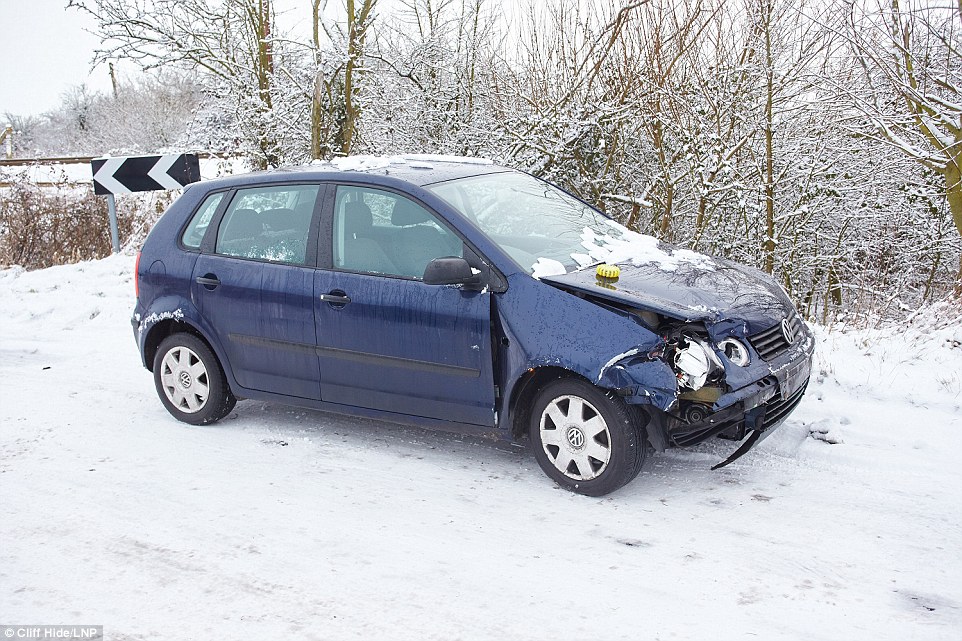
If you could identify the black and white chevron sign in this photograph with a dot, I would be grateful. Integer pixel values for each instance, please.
(124, 174)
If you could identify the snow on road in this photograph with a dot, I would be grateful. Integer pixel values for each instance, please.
(288, 523)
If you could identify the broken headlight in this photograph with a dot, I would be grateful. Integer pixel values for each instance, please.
(695, 362)
(735, 351)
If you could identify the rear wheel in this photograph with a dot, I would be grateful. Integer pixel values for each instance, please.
(190, 381)
(584, 438)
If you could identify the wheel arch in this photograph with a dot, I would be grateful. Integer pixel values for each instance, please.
(161, 330)
(525, 390)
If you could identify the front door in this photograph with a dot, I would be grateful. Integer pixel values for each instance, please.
(386, 340)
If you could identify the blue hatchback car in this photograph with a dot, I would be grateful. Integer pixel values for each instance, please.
(460, 295)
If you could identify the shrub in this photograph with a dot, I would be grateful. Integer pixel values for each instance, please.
(55, 224)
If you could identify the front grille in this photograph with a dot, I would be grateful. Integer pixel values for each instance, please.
(777, 410)
(771, 342)
(688, 435)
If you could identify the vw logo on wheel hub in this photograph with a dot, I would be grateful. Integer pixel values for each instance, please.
(788, 331)
(184, 378)
(576, 438)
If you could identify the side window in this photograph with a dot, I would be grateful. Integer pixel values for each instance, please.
(197, 227)
(379, 232)
(268, 223)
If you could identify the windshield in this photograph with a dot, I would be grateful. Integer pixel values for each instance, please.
(546, 231)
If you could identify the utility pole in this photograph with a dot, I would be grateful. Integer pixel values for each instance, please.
(7, 135)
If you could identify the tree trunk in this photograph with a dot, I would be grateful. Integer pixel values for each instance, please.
(769, 244)
(357, 24)
(958, 280)
(354, 34)
(318, 93)
(667, 201)
(260, 18)
(953, 193)
(316, 113)
(633, 217)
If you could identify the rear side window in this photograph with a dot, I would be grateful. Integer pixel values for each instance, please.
(268, 223)
(197, 227)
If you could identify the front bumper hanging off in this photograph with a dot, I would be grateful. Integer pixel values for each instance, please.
(752, 419)
(761, 422)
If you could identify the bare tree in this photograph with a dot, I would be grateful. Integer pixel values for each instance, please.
(568, 99)
(911, 55)
(785, 43)
(339, 58)
(231, 40)
(663, 49)
(740, 128)
(435, 63)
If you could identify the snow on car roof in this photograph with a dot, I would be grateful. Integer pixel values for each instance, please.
(416, 161)
(420, 169)
(417, 169)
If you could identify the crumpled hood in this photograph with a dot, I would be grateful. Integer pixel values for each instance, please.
(694, 293)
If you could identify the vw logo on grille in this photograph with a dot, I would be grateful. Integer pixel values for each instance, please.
(576, 438)
(788, 331)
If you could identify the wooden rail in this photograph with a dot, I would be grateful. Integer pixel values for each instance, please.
(79, 160)
(74, 161)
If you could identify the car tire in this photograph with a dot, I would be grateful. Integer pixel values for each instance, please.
(584, 438)
(190, 381)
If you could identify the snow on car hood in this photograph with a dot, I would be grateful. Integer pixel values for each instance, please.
(691, 290)
(638, 249)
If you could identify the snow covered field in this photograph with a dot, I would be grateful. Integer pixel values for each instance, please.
(287, 523)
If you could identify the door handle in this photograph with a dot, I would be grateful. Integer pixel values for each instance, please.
(337, 298)
(209, 281)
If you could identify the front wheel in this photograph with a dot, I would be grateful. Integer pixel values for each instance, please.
(584, 438)
(190, 382)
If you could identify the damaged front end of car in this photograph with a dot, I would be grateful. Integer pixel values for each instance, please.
(734, 371)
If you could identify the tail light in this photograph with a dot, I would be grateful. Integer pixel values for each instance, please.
(137, 277)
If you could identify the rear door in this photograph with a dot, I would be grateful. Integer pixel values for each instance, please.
(256, 288)
(386, 340)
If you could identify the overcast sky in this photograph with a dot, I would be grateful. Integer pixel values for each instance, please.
(44, 50)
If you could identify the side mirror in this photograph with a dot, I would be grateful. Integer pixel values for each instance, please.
(450, 271)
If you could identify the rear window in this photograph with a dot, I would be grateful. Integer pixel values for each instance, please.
(197, 227)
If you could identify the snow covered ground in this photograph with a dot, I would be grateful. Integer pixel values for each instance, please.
(286, 523)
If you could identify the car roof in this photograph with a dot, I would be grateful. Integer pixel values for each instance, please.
(415, 169)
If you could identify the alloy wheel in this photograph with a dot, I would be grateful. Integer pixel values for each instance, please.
(575, 437)
(184, 379)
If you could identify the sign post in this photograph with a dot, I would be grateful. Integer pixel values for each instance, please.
(126, 174)
(114, 233)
